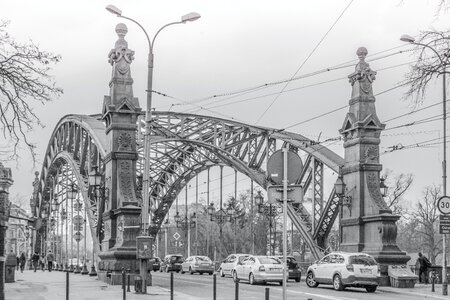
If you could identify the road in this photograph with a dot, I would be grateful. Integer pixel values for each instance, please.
(190, 287)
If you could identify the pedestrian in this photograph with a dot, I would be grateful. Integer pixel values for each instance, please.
(22, 261)
(17, 262)
(424, 264)
(35, 259)
(42, 262)
(50, 259)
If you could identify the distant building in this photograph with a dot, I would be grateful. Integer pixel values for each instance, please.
(18, 234)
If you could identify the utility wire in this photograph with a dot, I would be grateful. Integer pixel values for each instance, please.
(304, 62)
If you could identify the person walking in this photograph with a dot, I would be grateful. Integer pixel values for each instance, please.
(22, 261)
(35, 259)
(424, 264)
(17, 262)
(50, 259)
(42, 262)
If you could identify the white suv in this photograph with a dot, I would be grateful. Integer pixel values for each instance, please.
(344, 269)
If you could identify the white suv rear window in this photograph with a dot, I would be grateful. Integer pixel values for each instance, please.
(361, 260)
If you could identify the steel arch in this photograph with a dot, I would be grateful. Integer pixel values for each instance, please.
(183, 145)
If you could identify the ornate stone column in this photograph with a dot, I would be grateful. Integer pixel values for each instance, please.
(367, 224)
(122, 212)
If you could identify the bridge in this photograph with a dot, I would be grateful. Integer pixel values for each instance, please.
(110, 145)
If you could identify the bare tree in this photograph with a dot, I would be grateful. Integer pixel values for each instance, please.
(25, 77)
(429, 64)
(398, 185)
(427, 217)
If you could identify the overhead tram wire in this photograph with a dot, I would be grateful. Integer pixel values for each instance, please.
(304, 62)
(212, 105)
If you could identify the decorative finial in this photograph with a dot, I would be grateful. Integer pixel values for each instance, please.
(362, 53)
(121, 30)
(36, 174)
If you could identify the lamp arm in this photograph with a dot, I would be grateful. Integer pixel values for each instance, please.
(429, 47)
(146, 35)
(159, 30)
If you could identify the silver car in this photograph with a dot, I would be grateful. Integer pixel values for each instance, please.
(197, 264)
(228, 264)
(256, 269)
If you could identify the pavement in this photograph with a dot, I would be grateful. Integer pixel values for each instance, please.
(39, 285)
(52, 285)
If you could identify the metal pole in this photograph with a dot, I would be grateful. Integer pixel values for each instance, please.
(252, 219)
(270, 229)
(234, 215)
(267, 293)
(214, 286)
(444, 178)
(171, 285)
(71, 234)
(67, 284)
(236, 291)
(186, 219)
(207, 189)
(196, 215)
(285, 184)
(67, 226)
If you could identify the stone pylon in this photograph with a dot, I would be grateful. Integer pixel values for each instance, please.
(367, 224)
(122, 208)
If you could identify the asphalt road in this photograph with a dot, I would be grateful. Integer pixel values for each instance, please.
(190, 287)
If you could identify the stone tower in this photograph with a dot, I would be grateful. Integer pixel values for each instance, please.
(367, 224)
(122, 208)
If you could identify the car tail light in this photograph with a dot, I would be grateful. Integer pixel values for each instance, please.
(350, 268)
(262, 269)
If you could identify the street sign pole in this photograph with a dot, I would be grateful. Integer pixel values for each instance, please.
(444, 207)
(285, 183)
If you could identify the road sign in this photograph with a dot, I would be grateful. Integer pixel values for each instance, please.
(275, 167)
(77, 227)
(176, 236)
(444, 218)
(444, 205)
(275, 193)
(77, 236)
(444, 228)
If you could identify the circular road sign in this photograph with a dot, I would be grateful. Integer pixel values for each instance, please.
(275, 167)
(444, 205)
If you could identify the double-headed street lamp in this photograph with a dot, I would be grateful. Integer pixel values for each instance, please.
(270, 211)
(443, 67)
(145, 216)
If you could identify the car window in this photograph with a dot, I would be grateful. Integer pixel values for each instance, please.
(203, 258)
(269, 260)
(242, 258)
(340, 259)
(362, 260)
(325, 260)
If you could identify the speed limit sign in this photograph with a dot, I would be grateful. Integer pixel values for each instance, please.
(444, 205)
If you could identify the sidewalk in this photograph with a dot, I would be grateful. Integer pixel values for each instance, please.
(418, 290)
(52, 285)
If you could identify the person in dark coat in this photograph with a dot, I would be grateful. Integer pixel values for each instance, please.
(35, 259)
(424, 264)
(17, 262)
(22, 261)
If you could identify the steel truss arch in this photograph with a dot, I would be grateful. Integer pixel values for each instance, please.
(77, 143)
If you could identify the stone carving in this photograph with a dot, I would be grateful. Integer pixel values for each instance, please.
(373, 185)
(388, 233)
(363, 74)
(121, 57)
(371, 154)
(126, 184)
(125, 141)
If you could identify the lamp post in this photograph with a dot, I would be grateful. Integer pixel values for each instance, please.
(270, 211)
(231, 212)
(72, 193)
(145, 216)
(411, 40)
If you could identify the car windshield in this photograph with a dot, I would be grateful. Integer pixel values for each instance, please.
(203, 258)
(269, 260)
(362, 260)
(176, 259)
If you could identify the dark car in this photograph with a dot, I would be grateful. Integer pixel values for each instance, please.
(155, 263)
(294, 269)
(171, 262)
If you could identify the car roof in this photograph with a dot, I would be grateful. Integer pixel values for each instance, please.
(350, 253)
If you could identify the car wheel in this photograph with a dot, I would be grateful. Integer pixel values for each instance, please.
(311, 281)
(337, 283)
(222, 274)
(251, 279)
(298, 278)
(190, 271)
(235, 278)
(210, 273)
(281, 283)
(371, 289)
(182, 272)
(178, 271)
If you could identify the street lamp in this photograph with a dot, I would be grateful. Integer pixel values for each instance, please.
(146, 217)
(270, 211)
(409, 39)
(231, 212)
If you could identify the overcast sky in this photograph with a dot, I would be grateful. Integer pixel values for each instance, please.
(236, 45)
